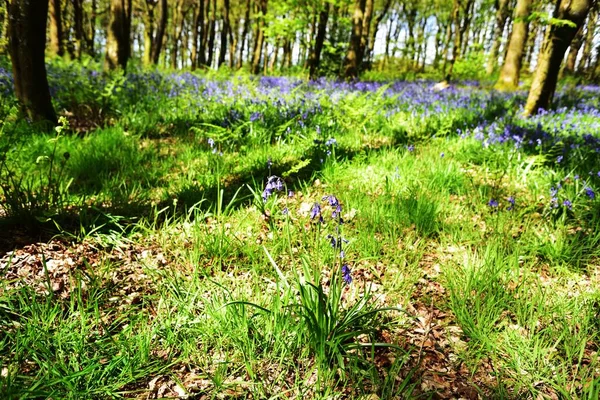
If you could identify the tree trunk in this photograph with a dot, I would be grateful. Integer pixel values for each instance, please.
(511, 70)
(244, 34)
(56, 32)
(27, 36)
(78, 22)
(315, 55)
(176, 33)
(457, 39)
(531, 43)
(352, 62)
(224, 33)
(212, 33)
(576, 44)
(159, 36)
(501, 17)
(118, 41)
(91, 37)
(196, 24)
(553, 51)
(260, 38)
(586, 55)
(148, 20)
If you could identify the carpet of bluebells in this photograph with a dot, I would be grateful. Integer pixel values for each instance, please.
(249, 237)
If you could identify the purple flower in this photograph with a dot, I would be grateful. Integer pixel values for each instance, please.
(332, 241)
(590, 193)
(346, 274)
(568, 204)
(559, 159)
(331, 142)
(493, 203)
(576, 177)
(316, 211)
(511, 200)
(211, 142)
(442, 155)
(285, 211)
(410, 148)
(290, 194)
(274, 183)
(255, 116)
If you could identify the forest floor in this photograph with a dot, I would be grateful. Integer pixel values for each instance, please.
(273, 239)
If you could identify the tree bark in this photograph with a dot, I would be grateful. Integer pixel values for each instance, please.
(574, 48)
(511, 69)
(558, 40)
(501, 17)
(352, 61)
(586, 55)
(118, 40)
(177, 27)
(159, 36)
(212, 33)
(224, 33)
(260, 38)
(78, 24)
(56, 31)
(314, 58)
(244, 34)
(27, 42)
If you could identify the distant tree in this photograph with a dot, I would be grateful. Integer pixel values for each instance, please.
(27, 42)
(361, 23)
(568, 17)
(154, 28)
(259, 37)
(3, 27)
(314, 58)
(502, 13)
(586, 54)
(118, 38)
(511, 69)
(56, 29)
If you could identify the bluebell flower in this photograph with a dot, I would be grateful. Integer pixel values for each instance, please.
(255, 116)
(346, 274)
(285, 211)
(590, 193)
(274, 183)
(559, 159)
(331, 142)
(442, 155)
(290, 194)
(576, 177)
(332, 241)
(316, 211)
(493, 203)
(568, 204)
(511, 200)
(410, 147)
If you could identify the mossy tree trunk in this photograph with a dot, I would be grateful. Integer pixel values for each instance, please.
(571, 15)
(352, 62)
(118, 38)
(27, 43)
(511, 69)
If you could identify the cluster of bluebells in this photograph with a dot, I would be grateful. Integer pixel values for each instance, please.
(336, 241)
(274, 184)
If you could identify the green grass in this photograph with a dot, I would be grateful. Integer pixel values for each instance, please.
(182, 280)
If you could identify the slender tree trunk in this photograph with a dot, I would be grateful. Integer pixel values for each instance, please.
(352, 62)
(4, 32)
(553, 51)
(148, 20)
(244, 34)
(447, 43)
(586, 55)
(457, 39)
(532, 38)
(27, 42)
(176, 33)
(118, 40)
(501, 17)
(91, 37)
(159, 36)
(315, 55)
(574, 48)
(511, 70)
(212, 33)
(224, 33)
(78, 24)
(197, 17)
(260, 38)
(56, 29)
